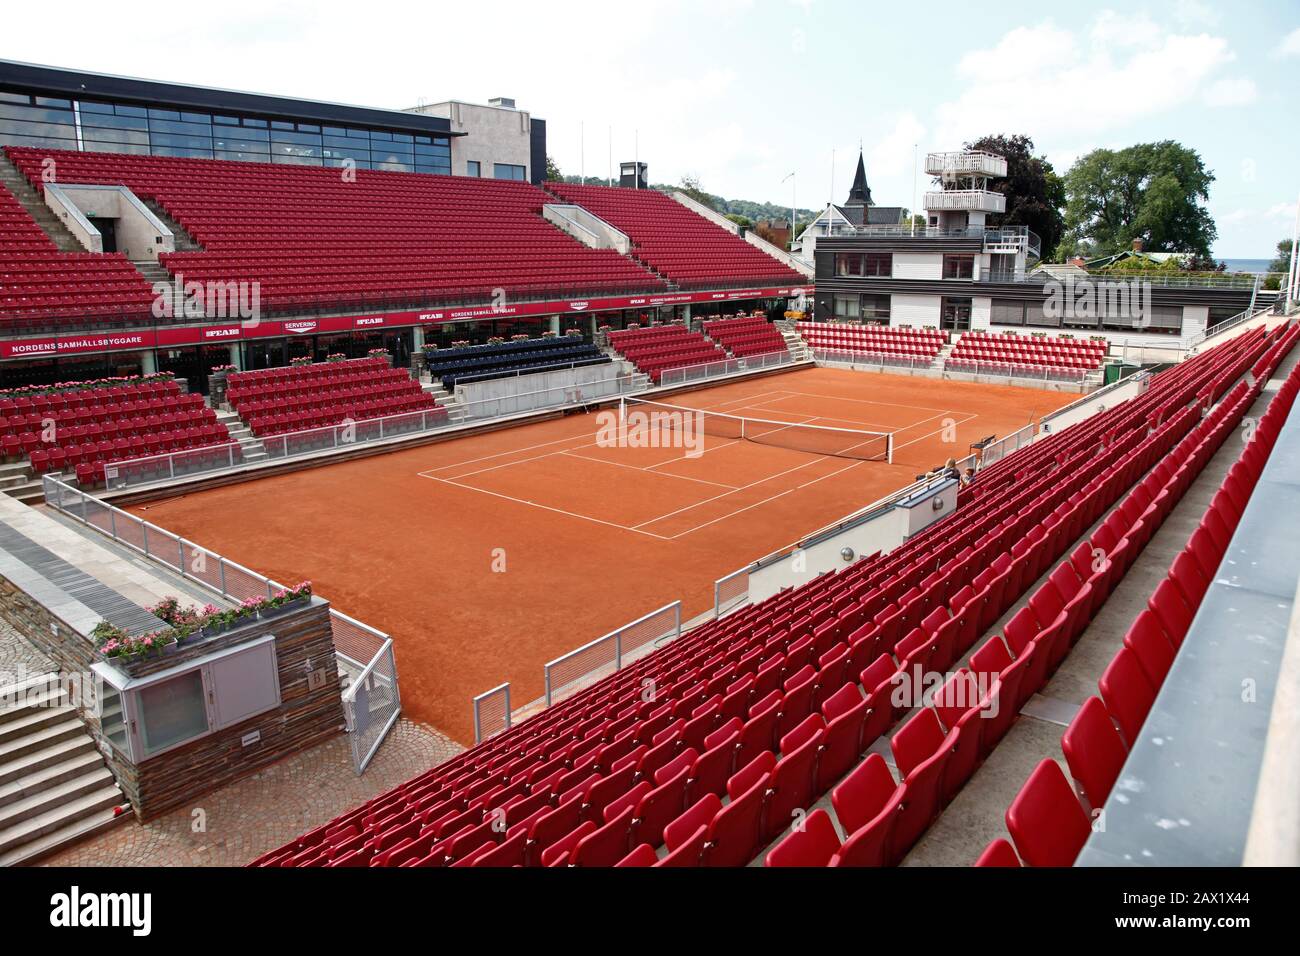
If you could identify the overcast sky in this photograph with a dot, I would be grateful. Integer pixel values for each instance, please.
(742, 92)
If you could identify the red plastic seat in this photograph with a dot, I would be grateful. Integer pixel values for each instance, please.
(1127, 693)
(1094, 751)
(999, 853)
(812, 844)
(1046, 820)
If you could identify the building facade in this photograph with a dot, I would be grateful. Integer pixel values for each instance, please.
(959, 274)
(493, 141)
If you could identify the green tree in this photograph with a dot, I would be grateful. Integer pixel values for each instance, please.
(1152, 191)
(1035, 193)
(691, 186)
(742, 221)
(1280, 267)
(553, 174)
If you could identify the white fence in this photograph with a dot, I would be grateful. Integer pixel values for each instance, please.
(999, 449)
(492, 712)
(371, 701)
(527, 393)
(604, 655)
(855, 359)
(689, 374)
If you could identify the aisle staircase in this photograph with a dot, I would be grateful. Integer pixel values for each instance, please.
(54, 784)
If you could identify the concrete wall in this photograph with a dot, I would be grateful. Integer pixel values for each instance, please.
(918, 265)
(917, 310)
(495, 134)
(586, 228)
(1195, 319)
(981, 309)
(140, 234)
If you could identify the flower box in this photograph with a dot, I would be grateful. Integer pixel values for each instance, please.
(279, 610)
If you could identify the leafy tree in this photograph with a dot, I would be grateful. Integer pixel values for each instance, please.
(690, 185)
(553, 174)
(1151, 191)
(1280, 268)
(739, 220)
(1035, 193)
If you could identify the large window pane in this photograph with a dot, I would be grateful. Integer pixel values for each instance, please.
(172, 711)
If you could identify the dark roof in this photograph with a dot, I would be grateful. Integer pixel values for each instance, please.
(884, 215)
(860, 193)
(78, 84)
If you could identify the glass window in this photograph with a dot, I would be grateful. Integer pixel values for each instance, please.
(848, 264)
(254, 123)
(308, 128)
(875, 307)
(879, 264)
(114, 122)
(226, 120)
(112, 721)
(130, 110)
(279, 124)
(848, 307)
(54, 102)
(507, 171)
(403, 138)
(192, 152)
(358, 133)
(186, 142)
(241, 145)
(334, 131)
(172, 711)
(203, 118)
(35, 114)
(134, 149)
(1036, 315)
(422, 139)
(137, 136)
(168, 126)
(6, 97)
(472, 168)
(164, 114)
(58, 130)
(958, 267)
(90, 106)
(380, 135)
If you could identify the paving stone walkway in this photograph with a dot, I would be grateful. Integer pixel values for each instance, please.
(240, 822)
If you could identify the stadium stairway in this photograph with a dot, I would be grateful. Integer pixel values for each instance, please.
(17, 481)
(54, 785)
(184, 241)
(34, 203)
(253, 451)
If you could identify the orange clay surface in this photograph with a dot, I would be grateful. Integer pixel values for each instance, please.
(590, 538)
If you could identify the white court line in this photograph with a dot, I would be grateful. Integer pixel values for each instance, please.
(968, 418)
(521, 501)
(705, 501)
(619, 464)
(868, 401)
(766, 500)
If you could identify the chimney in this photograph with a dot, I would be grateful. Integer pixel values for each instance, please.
(1138, 243)
(1077, 261)
(505, 102)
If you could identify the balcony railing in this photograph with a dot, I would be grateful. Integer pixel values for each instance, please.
(1171, 280)
(969, 163)
(1007, 236)
(968, 200)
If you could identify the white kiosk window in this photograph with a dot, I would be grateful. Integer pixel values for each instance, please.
(146, 716)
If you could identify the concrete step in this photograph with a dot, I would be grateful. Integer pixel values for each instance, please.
(28, 720)
(13, 694)
(16, 708)
(70, 728)
(86, 763)
(55, 839)
(55, 794)
(65, 748)
(64, 816)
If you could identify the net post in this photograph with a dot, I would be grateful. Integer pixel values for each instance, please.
(889, 447)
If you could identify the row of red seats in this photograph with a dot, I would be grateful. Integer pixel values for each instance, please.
(677, 243)
(746, 336)
(580, 765)
(308, 238)
(1046, 820)
(1015, 339)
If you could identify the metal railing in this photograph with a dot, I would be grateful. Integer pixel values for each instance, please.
(492, 712)
(856, 359)
(1074, 376)
(710, 370)
(371, 701)
(730, 591)
(604, 655)
(1163, 280)
(970, 199)
(999, 449)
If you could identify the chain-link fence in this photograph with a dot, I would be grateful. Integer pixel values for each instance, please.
(492, 712)
(877, 360)
(604, 655)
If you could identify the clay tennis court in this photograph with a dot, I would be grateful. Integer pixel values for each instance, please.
(486, 556)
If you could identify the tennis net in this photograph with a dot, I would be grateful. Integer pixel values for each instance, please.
(637, 414)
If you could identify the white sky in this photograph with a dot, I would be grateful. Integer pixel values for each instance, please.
(743, 92)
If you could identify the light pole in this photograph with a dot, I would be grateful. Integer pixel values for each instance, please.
(793, 184)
